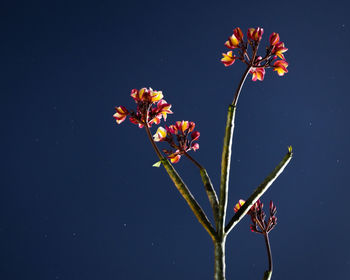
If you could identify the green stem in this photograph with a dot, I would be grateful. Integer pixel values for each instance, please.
(219, 261)
(226, 156)
(225, 168)
(186, 194)
(259, 191)
(213, 199)
(267, 275)
(209, 189)
(182, 188)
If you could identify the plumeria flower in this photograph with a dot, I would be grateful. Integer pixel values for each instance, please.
(258, 73)
(174, 157)
(180, 136)
(159, 112)
(255, 34)
(146, 95)
(238, 34)
(257, 64)
(228, 59)
(151, 108)
(281, 67)
(274, 38)
(163, 109)
(236, 39)
(160, 134)
(121, 114)
(279, 49)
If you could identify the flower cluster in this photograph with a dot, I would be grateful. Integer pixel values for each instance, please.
(179, 132)
(151, 108)
(257, 63)
(257, 215)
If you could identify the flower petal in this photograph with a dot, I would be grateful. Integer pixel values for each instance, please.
(121, 114)
(228, 59)
(174, 158)
(160, 134)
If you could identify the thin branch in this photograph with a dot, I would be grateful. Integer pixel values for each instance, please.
(268, 249)
(196, 163)
(182, 188)
(259, 192)
(213, 198)
(239, 88)
(186, 194)
(209, 189)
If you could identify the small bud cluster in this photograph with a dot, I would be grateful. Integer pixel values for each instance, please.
(258, 216)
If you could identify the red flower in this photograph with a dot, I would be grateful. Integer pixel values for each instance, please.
(236, 38)
(274, 38)
(195, 135)
(255, 34)
(194, 146)
(258, 73)
(146, 95)
(238, 34)
(177, 137)
(121, 114)
(281, 67)
(175, 157)
(228, 58)
(160, 134)
(151, 108)
(279, 49)
(257, 63)
(162, 109)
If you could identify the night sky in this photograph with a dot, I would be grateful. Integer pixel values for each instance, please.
(79, 196)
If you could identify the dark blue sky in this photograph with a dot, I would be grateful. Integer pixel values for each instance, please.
(79, 196)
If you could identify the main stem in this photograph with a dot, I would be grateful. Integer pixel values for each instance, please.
(219, 243)
(219, 254)
(226, 156)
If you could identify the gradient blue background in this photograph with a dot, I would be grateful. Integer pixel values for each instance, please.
(79, 196)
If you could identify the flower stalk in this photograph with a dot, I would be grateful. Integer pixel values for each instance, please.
(268, 249)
